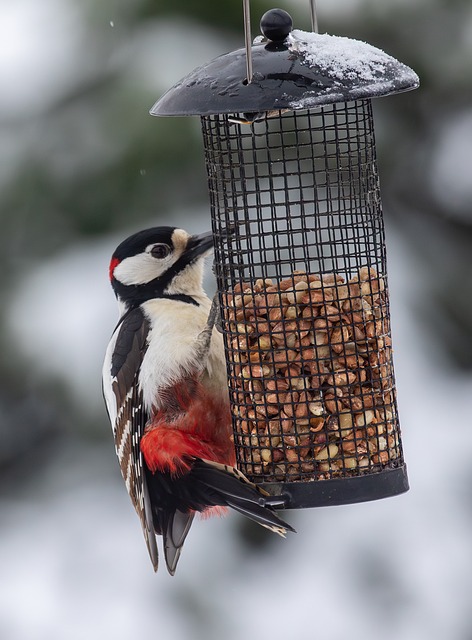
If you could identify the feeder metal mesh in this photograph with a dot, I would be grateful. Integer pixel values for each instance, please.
(301, 270)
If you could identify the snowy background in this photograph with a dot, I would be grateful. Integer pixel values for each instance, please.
(81, 166)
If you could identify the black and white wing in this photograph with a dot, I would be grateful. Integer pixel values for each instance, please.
(128, 415)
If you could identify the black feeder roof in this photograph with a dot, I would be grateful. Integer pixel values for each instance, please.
(302, 71)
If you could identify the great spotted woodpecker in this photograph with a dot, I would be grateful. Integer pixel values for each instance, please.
(164, 382)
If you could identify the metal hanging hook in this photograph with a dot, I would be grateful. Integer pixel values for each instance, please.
(314, 18)
(248, 39)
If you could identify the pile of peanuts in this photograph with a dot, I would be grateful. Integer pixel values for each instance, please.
(311, 378)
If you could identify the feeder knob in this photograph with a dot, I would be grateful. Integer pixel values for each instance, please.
(276, 24)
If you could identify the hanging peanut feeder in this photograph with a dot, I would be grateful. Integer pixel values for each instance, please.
(300, 259)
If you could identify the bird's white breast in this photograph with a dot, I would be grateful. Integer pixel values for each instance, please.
(171, 354)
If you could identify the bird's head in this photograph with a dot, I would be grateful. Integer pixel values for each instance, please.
(159, 262)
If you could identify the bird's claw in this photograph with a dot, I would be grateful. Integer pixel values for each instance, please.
(204, 337)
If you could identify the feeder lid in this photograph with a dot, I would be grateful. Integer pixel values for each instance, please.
(299, 70)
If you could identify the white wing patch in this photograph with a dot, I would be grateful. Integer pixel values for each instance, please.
(120, 444)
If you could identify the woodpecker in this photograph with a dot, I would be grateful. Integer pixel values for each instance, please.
(164, 383)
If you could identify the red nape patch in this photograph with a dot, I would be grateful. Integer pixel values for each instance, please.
(114, 262)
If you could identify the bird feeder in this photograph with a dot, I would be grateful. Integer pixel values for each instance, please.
(300, 259)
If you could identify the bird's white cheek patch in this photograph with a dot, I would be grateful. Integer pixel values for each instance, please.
(188, 281)
(139, 269)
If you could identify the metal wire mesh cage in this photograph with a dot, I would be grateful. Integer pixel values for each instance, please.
(301, 270)
(301, 267)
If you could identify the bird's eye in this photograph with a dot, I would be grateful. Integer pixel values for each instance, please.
(160, 251)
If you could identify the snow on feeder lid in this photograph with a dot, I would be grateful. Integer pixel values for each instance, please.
(300, 71)
(300, 260)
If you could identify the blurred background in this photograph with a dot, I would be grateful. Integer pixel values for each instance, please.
(82, 165)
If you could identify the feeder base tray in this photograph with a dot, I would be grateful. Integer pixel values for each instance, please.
(324, 493)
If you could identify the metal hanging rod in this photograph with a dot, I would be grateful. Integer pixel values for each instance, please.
(248, 39)
(314, 18)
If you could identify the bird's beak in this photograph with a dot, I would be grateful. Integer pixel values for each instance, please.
(199, 245)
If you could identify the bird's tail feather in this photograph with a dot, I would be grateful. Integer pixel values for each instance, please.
(174, 532)
(148, 529)
(227, 486)
(208, 485)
